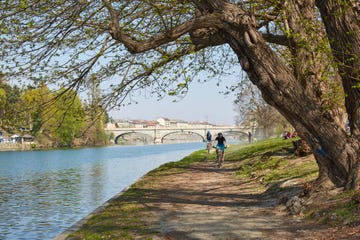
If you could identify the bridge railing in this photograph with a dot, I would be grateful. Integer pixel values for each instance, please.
(177, 128)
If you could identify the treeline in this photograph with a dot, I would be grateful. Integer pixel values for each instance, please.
(55, 118)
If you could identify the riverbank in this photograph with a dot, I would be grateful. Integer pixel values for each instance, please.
(192, 199)
(15, 147)
(27, 146)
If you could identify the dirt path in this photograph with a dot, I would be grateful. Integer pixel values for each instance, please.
(209, 203)
(201, 202)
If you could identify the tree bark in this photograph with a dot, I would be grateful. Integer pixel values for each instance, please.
(342, 23)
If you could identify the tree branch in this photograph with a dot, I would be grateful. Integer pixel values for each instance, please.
(137, 46)
(276, 39)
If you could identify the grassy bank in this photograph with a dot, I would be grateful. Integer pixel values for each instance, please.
(271, 164)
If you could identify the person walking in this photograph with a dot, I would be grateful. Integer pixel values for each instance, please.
(208, 141)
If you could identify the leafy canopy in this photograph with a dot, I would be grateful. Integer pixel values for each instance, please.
(66, 42)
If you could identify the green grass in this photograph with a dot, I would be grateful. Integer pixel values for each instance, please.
(179, 166)
(258, 149)
(272, 160)
(121, 219)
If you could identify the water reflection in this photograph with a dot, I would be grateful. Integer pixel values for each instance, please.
(43, 193)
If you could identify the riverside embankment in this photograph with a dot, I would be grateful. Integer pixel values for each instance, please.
(42, 193)
(14, 147)
(192, 199)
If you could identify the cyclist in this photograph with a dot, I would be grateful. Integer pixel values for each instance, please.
(208, 139)
(221, 144)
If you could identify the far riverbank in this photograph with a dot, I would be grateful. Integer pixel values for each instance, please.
(15, 146)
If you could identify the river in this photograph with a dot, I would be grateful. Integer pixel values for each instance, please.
(42, 193)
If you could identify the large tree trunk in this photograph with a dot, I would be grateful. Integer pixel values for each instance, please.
(311, 67)
(296, 93)
(342, 23)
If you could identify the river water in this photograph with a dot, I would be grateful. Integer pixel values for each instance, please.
(42, 193)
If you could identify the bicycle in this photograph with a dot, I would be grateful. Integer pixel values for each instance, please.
(219, 157)
(208, 146)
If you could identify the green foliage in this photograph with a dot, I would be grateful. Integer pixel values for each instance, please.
(57, 119)
(68, 118)
(10, 109)
(65, 42)
(35, 102)
(2, 96)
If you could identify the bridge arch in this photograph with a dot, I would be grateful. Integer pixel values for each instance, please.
(240, 135)
(236, 131)
(128, 133)
(182, 131)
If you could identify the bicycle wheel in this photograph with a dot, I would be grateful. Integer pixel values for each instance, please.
(208, 146)
(219, 158)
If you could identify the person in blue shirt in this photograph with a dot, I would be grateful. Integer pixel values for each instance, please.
(208, 141)
(221, 144)
(208, 136)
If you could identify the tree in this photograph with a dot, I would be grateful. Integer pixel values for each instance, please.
(10, 109)
(138, 41)
(2, 103)
(65, 118)
(35, 102)
(95, 116)
(60, 117)
(342, 23)
(252, 109)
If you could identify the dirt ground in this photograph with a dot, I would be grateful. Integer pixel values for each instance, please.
(205, 202)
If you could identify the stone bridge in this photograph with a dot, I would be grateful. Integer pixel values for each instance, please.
(159, 133)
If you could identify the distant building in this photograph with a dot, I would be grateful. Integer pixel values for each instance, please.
(28, 138)
(151, 123)
(164, 122)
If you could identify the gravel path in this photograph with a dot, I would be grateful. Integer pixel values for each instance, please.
(204, 202)
(210, 203)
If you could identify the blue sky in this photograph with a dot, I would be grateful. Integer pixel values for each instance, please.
(202, 103)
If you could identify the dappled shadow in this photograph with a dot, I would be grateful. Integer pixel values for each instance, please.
(207, 204)
(203, 202)
(206, 197)
(204, 184)
(212, 167)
